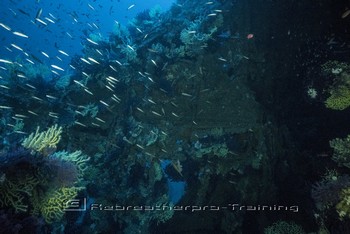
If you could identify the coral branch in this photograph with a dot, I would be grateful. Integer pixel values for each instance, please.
(39, 141)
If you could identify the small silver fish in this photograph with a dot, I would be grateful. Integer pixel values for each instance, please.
(21, 116)
(139, 146)
(62, 52)
(32, 112)
(88, 91)
(37, 98)
(156, 113)
(5, 61)
(4, 86)
(51, 97)
(6, 107)
(20, 34)
(30, 86)
(57, 67)
(91, 7)
(45, 54)
(175, 114)
(85, 61)
(30, 61)
(93, 60)
(16, 47)
(5, 27)
(91, 41)
(151, 101)
(101, 120)
(104, 103)
(222, 59)
(154, 62)
(131, 6)
(95, 124)
(38, 13)
(130, 47)
(41, 21)
(80, 124)
(186, 94)
(50, 20)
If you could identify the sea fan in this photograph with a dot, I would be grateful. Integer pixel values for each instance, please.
(326, 193)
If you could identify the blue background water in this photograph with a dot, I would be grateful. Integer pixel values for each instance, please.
(52, 37)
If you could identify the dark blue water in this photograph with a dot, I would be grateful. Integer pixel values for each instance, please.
(73, 21)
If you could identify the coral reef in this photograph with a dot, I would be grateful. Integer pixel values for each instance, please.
(339, 89)
(343, 207)
(283, 227)
(195, 40)
(53, 205)
(171, 87)
(339, 98)
(77, 158)
(326, 192)
(13, 192)
(219, 150)
(341, 153)
(40, 183)
(40, 141)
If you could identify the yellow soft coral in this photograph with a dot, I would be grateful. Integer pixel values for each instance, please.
(53, 206)
(339, 99)
(38, 141)
(343, 207)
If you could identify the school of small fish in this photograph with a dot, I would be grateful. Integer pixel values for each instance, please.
(111, 98)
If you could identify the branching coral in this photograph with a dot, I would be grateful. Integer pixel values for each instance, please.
(343, 207)
(193, 36)
(219, 150)
(282, 227)
(339, 90)
(77, 158)
(58, 176)
(334, 67)
(341, 153)
(90, 109)
(129, 52)
(194, 40)
(52, 208)
(161, 216)
(40, 185)
(13, 192)
(339, 99)
(38, 141)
